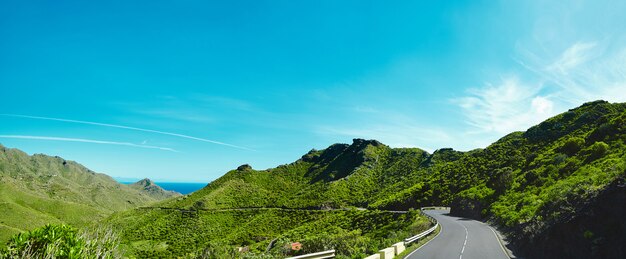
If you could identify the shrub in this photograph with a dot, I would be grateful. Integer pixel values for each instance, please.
(473, 202)
(603, 131)
(572, 146)
(595, 151)
(216, 250)
(62, 241)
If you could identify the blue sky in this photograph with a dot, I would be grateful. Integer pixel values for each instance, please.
(187, 90)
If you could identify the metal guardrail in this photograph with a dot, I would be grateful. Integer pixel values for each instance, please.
(425, 233)
(331, 253)
(318, 255)
(420, 235)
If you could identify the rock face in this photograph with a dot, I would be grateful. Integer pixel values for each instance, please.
(149, 188)
(244, 167)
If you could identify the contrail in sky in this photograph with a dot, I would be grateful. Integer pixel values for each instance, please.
(86, 141)
(128, 128)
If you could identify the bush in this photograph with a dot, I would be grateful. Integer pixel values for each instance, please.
(572, 146)
(602, 132)
(62, 241)
(216, 250)
(595, 151)
(473, 202)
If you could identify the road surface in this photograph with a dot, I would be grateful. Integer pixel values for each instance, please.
(460, 238)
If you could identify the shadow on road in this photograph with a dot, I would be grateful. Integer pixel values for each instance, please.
(457, 217)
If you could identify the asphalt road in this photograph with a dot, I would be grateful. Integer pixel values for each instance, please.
(460, 238)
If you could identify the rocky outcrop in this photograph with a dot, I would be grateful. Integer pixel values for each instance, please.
(244, 167)
(148, 187)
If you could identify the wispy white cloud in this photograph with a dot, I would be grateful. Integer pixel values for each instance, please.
(128, 128)
(86, 141)
(577, 54)
(593, 73)
(193, 108)
(185, 115)
(506, 107)
(582, 72)
(572, 53)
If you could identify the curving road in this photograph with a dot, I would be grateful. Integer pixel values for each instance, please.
(460, 238)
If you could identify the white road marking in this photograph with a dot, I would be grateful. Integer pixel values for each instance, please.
(464, 243)
(500, 242)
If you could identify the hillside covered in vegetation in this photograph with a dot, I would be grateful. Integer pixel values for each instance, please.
(558, 189)
(317, 201)
(37, 190)
(548, 185)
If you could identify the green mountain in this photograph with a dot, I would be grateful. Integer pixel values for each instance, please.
(363, 174)
(39, 189)
(312, 201)
(147, 186)
(557, 190)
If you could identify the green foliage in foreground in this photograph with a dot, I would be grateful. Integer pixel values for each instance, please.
(62, 241)
(353, 233)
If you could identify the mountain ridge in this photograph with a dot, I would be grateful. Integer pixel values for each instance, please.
(40, 189)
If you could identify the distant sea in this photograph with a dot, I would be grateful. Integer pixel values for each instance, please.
(183, 188)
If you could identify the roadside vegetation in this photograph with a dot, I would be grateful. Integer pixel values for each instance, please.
(253, 233)
(63, 241)
(417, 244)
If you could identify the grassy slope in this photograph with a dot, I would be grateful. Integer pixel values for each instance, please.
(338, 177)
(39, 189)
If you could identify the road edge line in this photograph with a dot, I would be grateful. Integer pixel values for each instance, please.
(417, 249)
(499, 242)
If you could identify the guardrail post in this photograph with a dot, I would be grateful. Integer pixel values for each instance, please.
(398, 248)
(374, 256)
(387, 253)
